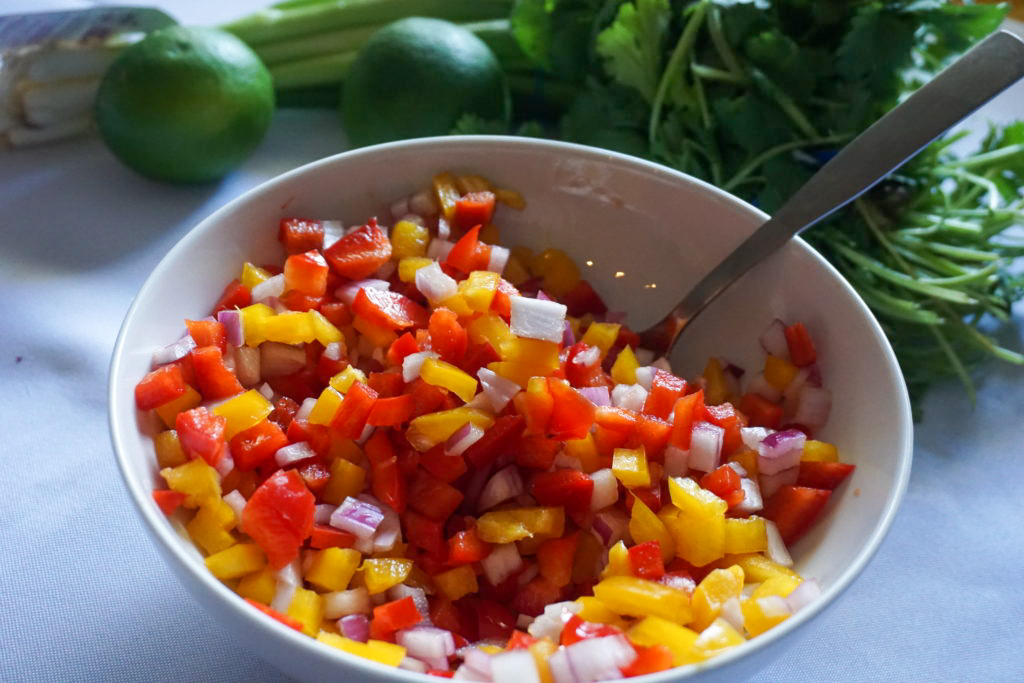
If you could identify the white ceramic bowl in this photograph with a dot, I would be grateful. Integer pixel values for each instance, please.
(650, 233)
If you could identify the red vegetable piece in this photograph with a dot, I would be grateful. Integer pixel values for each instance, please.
(520, 641)
(326, 367)
(466, 547)
(794, 510)
(433, 498)
(537, 452)
(688, 409)
(360, 253)
(159, 387)
(572, 414)
(201, 434)
(494, 621)
(538, 593)
(475, 208)
(760, 411)
(388, 309)
(576, 630)
(315, 475)
(391, 412)
(386, 384)
(447, 336)
(478, 356)
(441, 673)
(235, 295)
(337, 313)
(318, 436)
(726, 417)
(582, 299)
(402, 347)
(214, 378)
(396, 615)
(425, 398)
(300, 234)
(649, 660)
(666, 389)
(801, 347)
(168, 501)
(254, 446)
(469, 253)
(306, 273)
(350, 420)
(445, 467)
(423, 532)
(725, 483)
(388, 484)
(570, 488)
(274, 614)
(284, 412)
(324, 536)
(555, 558)
(646, 561)
(823, 475)
(208, 333)
(496, 441)
(279, 517)
(653, 435)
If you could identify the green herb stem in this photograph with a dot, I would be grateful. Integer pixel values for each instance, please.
(673, 68)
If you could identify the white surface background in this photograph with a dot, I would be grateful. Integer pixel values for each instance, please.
(85, 596)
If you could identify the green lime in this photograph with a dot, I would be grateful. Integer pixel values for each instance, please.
(416, 77)
(185, 105)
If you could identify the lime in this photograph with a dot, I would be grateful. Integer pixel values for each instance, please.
(185, 105)
(416, 77)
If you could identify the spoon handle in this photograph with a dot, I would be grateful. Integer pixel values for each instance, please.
(982, 73)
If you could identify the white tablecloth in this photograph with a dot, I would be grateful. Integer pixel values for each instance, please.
(85, 596)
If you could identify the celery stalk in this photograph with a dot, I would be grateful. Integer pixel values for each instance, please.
(315, 71)
(315, 45)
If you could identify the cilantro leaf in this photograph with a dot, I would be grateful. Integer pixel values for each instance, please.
(611, 116)
(557, 35)
(877, 47)
(633, 45)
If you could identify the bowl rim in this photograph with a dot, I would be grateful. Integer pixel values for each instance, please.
(121, 426)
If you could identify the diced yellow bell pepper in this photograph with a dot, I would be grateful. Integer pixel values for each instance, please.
(210, 528)
(307, 608)
(380, 574)
(347, 479)
(407, 268)
(458, 582)
(344, 380)
(779, 372)
(446, 193)
(699, 528)
(237, 561)
(259, 586)
(745, 535)
(243, 411)
(712, 592)
(717, 638)
(779, 586)
(252, 275)
(457, 304)
(690, 498)
(290, 327)
(520, 373)
(747, 460)
(323, 329)
(478, 290)
(585, 450)
(426, 431)
(756, 567)
(380, 337)
(651, 631)
(509, 526)
(601, 335)
(254, 318)
(326, 406)
(597, 612)
(645, 526)
(624, 367)
(629, 465)
(558, 272)
(198, 481)
(169, 452)
(543, 355)
(715, 389)
(409, 240)
(490, 234)
(515, 271)
(332, 568)
(472, 183)
(374, 650)
(187, 401)
(541, 651)
(814, 451)
(346, 449)
(618, 562)
(489, 329)
(445, 375)
(510, 198)
(759, 616)
(628, 595)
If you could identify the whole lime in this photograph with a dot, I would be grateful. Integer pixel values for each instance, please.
(415, 77)
(185, 105)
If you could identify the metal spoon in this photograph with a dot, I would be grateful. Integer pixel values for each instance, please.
(986, 70)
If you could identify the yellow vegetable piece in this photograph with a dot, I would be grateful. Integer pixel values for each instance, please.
(472, 183)
(520, 373)
(618, 561)
(446, 193)
(456, 583)
(259, 586)
(333, 568)
(762, 613)
(409, 240)
(508, 526)
(757, 567)
(375, 650)
(542, 355)
(326, 406)
(290, 327)
(690, 498)
(779, 372)
(380, 337)
(515, 272)
(699, 527)
(237, 561)
(814, 451)
(651, 631)
(380, 574)
(601, 335)
(715, 390)
(441, 374)
(489, 329)
(307, 608)
(198, 481)
(426, 431)
(559, 272)
(717, 638)
(597, 612)
(712, 592)
(745, 535)
(510, 198)
(541, 651)
(779, 586)
(407, 268)
(645, 526)
(629, 465)
(624, 367)
(748, 460)
(347, 479)
(243, 411)
(478, 290)
(323, 329)
(254, 319)
(252, 275)
(347, 449)
(210, 527)
(490, 234)
(457, 305)
(169, 452)
(635, 597)
(585, 450)
(344, 380)
(187, 401)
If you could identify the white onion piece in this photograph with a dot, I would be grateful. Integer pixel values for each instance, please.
(283, 594)
(498, 390)
(413, 363)
(791, 394)
(777, 550)
(499, 259)
(334, 230)
(419, 596)
(780, 451)
(770, 483)
(564, 461)
(753, 436)
(752, 500)
(279, 360)
(737, 468)
(477, 659)
(536, 319)
(334, 351)
(175, 351)
(807, 592)
(247, 365)
(629, 397)
(355, 627)
(773, 340)
(705, 446)
(389, 532)
(342, 603)
(763, 388)
(426, 642)
(679, 583)
(231, 319)
(514, 666)
(305, 408)
(271, 287)
(606, 489)
(399, 208)
(434, 283)
(732, 613)
(266, 391)
(440, 247)
(347, 293)
(225, 465)
(462, 439)
(550, 623)
(813, 407)
(773, 606)
(645, 375)
(444, 231)
(357, 517)
(467, 673)
(611, 526)
(599, 396)
(422, 203)
(236, 501)
(598, 659)
(502, 562)
(322, 513)
(587, 358)
(677, 461)
(417, 665)
(365, 434)
(504, 485)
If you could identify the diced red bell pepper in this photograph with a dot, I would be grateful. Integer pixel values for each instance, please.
(425, 397)
(469, 253)
(616, 419)
(212, 376)
(386, 384)
(501, 305)
(423, 532)
(652, 495)
(801, 346)
(201, 434)
(688, 409)
(646, 560)
(794, 510)
(535, 405)
(284, 411)
(441, 673)
(555, 558)
(360, 253)
(396, 615)
(388, 484)
(520, 641)
(306, 273)
(433, 498)
(295, 300)
(582, 375)
(300, 234)
(576, 629)
(168, 501)
(159, 387)
(582, 299)
(652, 433)
(823, 475)
(274, 614)
(475, 208)
(497, 440)
(569, 488)
(447, 336)
(494, 621)
(388, 309)
(337, 313)
(537, 452)
(444, 614)
(279, 516)
(208, 333)
(391, 412)
(572, 414)
(726, 417)
(254, 446)
(324, 536)
(378, 448)
(649, 660)
(478, 356)
(402, 347)
(297, 386)
(315, 474)
(666, 389)
(350, 420)
(235, 295)
(535, 595)
(445, 467)
(760, 411)
(327, 367)
(725, 483)
(607, 440)
(317, 436)
(466, 547)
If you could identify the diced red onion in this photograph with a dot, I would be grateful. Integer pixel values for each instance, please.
(439, 247)
(568, 338)
(334, 230)
(502, 562)
(417, 665)
(342, 603)
(752, 501)
(462, 439)
(477, 478)
(266, 391)
(770, 483)
(807, 592)
(434, 283)
(389, 532)
(791, 394)
(514, 666)
(229, 359)
(322, 513)
(763, 388)
(753, 436)
(444, 231)
(588, 358)
(419, 596)
(599, 396)
(293, 452)
(175, 351)
(478, 660)
(357, 517)
(467, 673)
(236, 501)
(564, 461)
(611, 526)
(426, 642)
(732, 374)
(774, 606)
(283, 594)
(732, 613)
(813, 407)
(498, 390)
(662, 364)
(280, 360)
(355, 626)
(606, 489)
(528, 574)
(399, 208)
(225, 465)
(499, 259)
(645, 376)
(777, 550)
(737, 468)
(305, 408)
(247, 365)
(780, 451)
(504, 485)
(596, 659)
(629, 397)
(231, 319)
(413, 363)
(423, 204)
(271, 287)
(705, 446)
(773, 340)
(615, 317)
(677, 461)
(543, 296)
(536, 319)
(347, 292)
